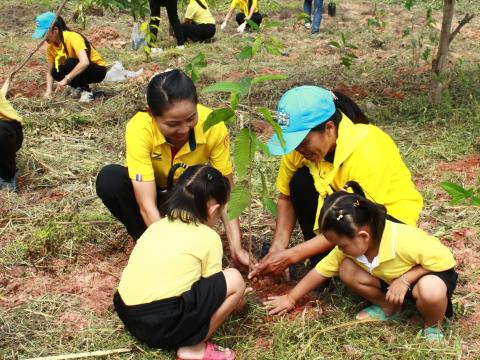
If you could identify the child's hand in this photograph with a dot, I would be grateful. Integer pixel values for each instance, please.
(224, 24)
(396, 292)
(279, 305)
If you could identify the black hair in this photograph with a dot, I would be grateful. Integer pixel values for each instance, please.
(199, 2)
(355, 186)
(344, 213)
(343, 104)
(168, 87)
(187, 199)
(60, 24)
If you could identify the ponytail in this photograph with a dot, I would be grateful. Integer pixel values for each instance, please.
(344, 213)
(349, 108)
(203, 6)
(60, 24)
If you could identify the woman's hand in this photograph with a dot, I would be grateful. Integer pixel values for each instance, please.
(242, 257)
(275, 262)
(223, 26)
(279, 305)
(241, 27)
(61, 84)
(396, 292)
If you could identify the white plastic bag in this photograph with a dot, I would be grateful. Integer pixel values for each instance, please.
(118, 73)
(138, 37)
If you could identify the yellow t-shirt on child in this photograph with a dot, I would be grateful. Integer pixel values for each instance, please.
(198, 14)
(74, 43)
(401, 248)
(167, 259)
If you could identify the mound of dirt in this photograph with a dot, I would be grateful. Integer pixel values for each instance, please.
(102, 36)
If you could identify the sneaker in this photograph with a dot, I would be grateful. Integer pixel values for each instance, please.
(8, 185)
(86, 97)
(155, 50)
(308, 25)
(316, 35)
(180, 47)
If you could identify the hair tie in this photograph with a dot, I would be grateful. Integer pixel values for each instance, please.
(209, 177)
(339, 217)
(333, 95)
(356, 203)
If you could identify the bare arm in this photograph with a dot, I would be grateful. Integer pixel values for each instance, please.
(48, 90)
(146, 196)
(83, 63)
(286, 219)
(228, 16)
(250, 13)
(282, 304)
(399, 287)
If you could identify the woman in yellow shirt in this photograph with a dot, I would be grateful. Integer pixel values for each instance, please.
(198, 24)
(382, 261)
(248, 10)
(72, 60)
(330, 145)
(169, 133)
(11, 138)
(173, 293)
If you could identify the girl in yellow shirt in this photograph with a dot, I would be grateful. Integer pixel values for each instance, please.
(198, 24)
(248, 10)
(173, 293)
(72, 60)
(382, 261)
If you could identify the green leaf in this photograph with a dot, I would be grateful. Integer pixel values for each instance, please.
(351, 46)
(239, 200)
(475, 201)
(199, 60)
(263, 78)
(234, 98)
(257, 44)
(223, 86)
(267, 115)
(303, 16)
(246, 53)
(226, 115)
(344, 40)
(244, 151)
(409, 4)
(457, 192)
(270, 205)
(263, 148)
(272, 49)
(334, 44)
(245, 84)
(253, 24)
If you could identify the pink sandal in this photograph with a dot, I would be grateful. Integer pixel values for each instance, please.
(215, 352)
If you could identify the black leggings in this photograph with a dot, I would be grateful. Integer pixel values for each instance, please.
(171, 6)
(115, 189)
(198, 32)
(92, 74)
(11, 138)
(256, 18)
(304, 198)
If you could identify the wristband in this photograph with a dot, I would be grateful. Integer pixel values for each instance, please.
(405, 282)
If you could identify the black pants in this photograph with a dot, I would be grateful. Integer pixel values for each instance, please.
(92, 74)
(256, 18)
(115, 189)
(304, 198)
(11, 138)
(198, 32)
(171, 6)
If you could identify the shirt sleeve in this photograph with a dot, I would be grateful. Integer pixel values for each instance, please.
(427, 251)
(255, 6)
(139, 146)
(329, 265)
(191, 10)
(77, 42)
(212, 263)
(234, 4)
(50, 54)
(219, 146)
(288, 167)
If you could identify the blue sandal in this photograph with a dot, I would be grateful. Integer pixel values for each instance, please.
(376, 312)
(433, 334)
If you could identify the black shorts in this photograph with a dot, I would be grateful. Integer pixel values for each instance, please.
(449, 277)
(177, 321)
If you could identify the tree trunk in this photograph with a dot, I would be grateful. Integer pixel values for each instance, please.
(438, 64)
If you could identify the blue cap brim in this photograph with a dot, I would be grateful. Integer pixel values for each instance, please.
(292, 140)
(39, 33)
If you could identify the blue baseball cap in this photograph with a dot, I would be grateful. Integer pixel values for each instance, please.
(43, 22)
(299, 110)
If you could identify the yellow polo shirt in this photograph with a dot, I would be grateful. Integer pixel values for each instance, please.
(198, 14)
(167, 259)
(7, 112)
(149, 156)
(242, 5)
(74, 43)
(401, 248)
(367, 155)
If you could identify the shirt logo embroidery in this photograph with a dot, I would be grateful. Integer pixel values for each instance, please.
(157, 156)
(138, 177)
(283, 119)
